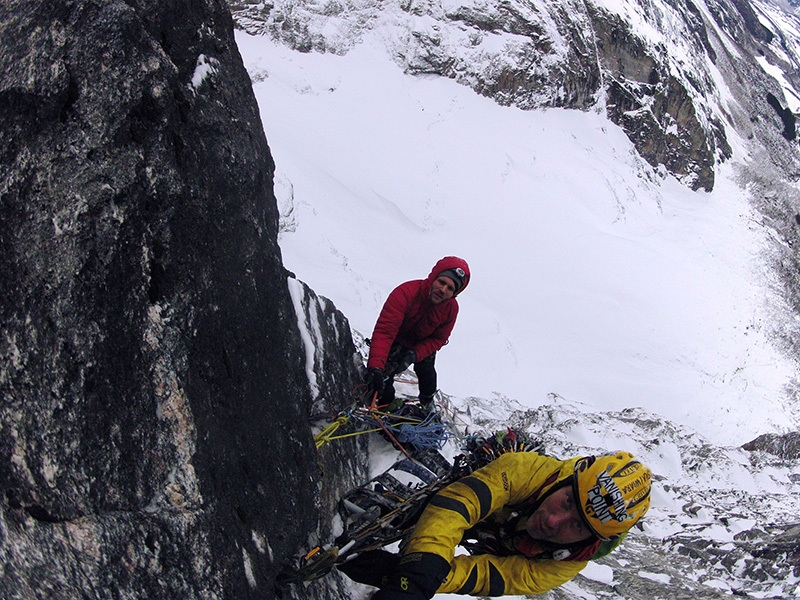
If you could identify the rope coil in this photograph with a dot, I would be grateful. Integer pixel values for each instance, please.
(408, 425)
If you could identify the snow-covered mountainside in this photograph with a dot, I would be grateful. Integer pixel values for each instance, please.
(676, 76)
(692, 84)
(350, 137)
(638, 257)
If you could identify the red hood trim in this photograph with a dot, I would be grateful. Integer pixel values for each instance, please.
(449, 262)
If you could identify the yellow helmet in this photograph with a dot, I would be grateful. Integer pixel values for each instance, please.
(613, 492)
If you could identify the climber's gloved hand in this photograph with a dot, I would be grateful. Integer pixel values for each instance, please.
(374, 381)
(372, 567)
(418, 576)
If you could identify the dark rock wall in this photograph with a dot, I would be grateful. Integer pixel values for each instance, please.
(786, 446)
(655, 109)
(333, 363)
(154, 440)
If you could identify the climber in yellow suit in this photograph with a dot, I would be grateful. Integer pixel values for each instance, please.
(531, 523)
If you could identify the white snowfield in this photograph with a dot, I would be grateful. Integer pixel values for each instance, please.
(609, 307)
(594, 276)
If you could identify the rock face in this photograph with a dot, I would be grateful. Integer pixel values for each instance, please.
(154, 440)
(786, 446)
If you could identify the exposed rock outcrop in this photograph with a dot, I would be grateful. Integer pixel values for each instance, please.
(154, 440)
(785, 446)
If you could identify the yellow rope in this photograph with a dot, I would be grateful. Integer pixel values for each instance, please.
(343, 436)
(327, 434)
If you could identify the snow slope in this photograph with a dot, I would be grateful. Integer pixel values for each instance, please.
(594, 277)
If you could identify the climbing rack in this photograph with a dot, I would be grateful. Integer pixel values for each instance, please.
(386, 508)
(374, 515)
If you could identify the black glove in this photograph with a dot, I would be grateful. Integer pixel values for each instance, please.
(372, 567)
(374, 381)
(418, 577)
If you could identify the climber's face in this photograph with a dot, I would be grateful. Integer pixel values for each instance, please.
(442, 289)
(558, 519)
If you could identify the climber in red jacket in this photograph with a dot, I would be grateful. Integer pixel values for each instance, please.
(415, 322)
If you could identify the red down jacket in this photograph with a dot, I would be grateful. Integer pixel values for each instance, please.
(409, 318)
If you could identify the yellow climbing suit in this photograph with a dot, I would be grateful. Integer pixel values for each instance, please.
(511, 479)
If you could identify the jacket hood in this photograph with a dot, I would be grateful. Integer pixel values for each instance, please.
(450, 262)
